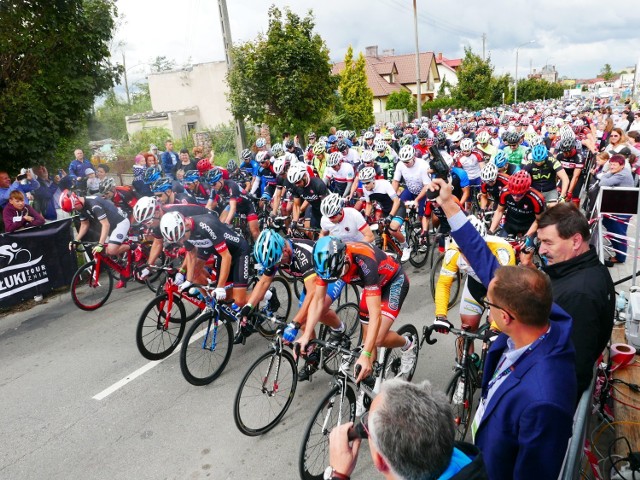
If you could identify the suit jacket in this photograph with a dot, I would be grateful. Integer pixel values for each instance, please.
(526, 426)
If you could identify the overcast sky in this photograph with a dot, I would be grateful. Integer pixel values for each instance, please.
(577, 36)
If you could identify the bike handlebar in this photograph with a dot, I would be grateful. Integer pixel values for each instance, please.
(482, 334)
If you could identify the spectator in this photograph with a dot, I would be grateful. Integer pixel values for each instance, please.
(17, 215)
(150, 160)
(24, 182)
(78, 167)
(139, 167)
(169, 159)
(44, 196)
(101, 171)
(93, 183)
(185, 164)
(635, 124)
(153, 150)
(198, 153)
(411, 435)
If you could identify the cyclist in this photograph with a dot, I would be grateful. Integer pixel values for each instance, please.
(193, 186)
(493, 182)
(471, 306)
(415, 174)
(291, 147)
(163, 190)
(122, 197)
(502, 162)
(368, 160)
(514, 151)
(349, 155)
(265, 180)
(339, 174)
(472, 161)
(249, 165)
(319, 159)
(385, 286)
(573, 163)
(368, 140)
(204, 236)
(273, 252)
(344, 223)
(105, 217)
(237, 201)
(521, 206)
(386, 164)
(485, 146)
(308, 192)
(545, 172)
(422, 145)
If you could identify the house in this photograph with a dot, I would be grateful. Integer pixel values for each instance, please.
(186, 100)
(447, 71)
(388, 73)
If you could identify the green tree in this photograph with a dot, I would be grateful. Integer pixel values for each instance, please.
(357, 97)
(444, 87)
(474, 81)
(538, 89)
(162, 64)
(606, 72)
(54, 60)
(499, 86)
(109, 120)
(283, 78)
(403, 99)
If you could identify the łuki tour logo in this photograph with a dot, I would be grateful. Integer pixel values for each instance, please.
(19, 271)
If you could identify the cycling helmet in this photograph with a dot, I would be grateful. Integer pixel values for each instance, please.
(567, 144)
(368, 156)
(291, 157)
(367, 174)
(511, 138)
(387, 136)
(536, 140)
(161, 185)
(478, 225)
(246, 154)
(456, 136)
(406, 140)
(144, 209)
(212, 176)
(566, 133)
(152, 174)
(261, 142)
(289, 144)
(232, 166)
(268, 249)
(407, 153)
(342, 145)
(441, 137)
(500, 159)
(279, 165)
(519, 182)
(296, 172)
(328, 258)
(191, 176)
(172, 226)
(106, 185)
(204, 166)
(262, 157)
(277, 149)
(483, 137)
(331, 205)
(380, 146)
(319, 148)
(368, 135)
(334, 159)
(489, 173)
(69, 200)
(482, 123)
(423, 134)
(539, 153)
(466, 145)
(450, 125)
(340, 134)
(311, 135)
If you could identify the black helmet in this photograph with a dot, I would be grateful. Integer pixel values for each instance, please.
(441, 137)
(567, 145)
(246, 154)
(342, 145)
(423, 134)
(288, 144)
(232, 166)
(511, 138)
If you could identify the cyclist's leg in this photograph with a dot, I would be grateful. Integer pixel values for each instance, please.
(396, 224)
(240, 279)
(117, 237)
(471, 309)
(392, 298)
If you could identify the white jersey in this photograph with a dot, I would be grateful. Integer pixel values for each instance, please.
(471, 165)
(352, 157)
(344, 174)
(349, 229)
(415, 177)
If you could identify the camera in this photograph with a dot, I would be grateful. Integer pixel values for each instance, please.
(440, 170)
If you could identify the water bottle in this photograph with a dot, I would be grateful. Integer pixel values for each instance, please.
(475, 358)
(267, 295)
(235, 308)
(290, 332)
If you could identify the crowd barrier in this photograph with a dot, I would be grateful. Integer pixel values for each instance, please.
(35, 261)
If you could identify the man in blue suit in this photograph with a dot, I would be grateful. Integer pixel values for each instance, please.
(525, 416)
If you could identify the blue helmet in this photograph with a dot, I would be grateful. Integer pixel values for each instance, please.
(268, 249)
(328, 258)
(212, 176)
(161, 185)
(539, 153)
(191, 176)
(500, 159)
(152, 174)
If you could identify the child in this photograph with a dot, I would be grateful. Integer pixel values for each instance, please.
(93, 182)
(17, 215)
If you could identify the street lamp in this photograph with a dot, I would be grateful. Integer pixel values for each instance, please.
(515, 95)
(418, 92)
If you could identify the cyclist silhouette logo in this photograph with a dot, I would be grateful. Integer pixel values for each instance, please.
(13, 256)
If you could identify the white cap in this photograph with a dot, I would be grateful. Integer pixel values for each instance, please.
(89, 171)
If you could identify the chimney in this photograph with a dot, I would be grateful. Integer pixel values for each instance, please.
(389, 52)
(439, 57)
(371, 51)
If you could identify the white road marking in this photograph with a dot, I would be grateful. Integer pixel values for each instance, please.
(142, 370)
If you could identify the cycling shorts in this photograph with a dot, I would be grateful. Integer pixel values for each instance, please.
(472, 293)
(392, 297)
(120, 233)
(245, 208)
(407, 196)
(314, 218)
(239, 274)
(333, 290)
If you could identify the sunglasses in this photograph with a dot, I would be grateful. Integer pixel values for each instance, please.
(367, 183)
(487, 304)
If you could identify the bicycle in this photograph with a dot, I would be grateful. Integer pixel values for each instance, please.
(269, 385)
(467, 372)
(339, 405)
(413, 232)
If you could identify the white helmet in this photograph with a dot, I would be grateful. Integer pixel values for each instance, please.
(478, 225)
(144, 209)
(483, 137)
(277, 149)
(296, 172)
(536, 140)
(407, 153)
(367, 174)
(368, 156)
(566, 133)
(489, 173)
(456, 136)
(260, 156)
(279, 165)
(334, 159)
(380, 146)
(261, 142)
(466, 145)
(331, 205)
(291, 157)
(368, 135)
(172, 226)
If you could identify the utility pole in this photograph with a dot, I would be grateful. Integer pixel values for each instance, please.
(415, 27)
(241, 140)
(484, 43)
(126, 82)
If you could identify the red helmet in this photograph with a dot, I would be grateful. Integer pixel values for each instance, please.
(204, 166)
(69, 200)
(519, 183)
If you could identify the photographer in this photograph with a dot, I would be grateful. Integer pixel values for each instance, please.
(24, 182)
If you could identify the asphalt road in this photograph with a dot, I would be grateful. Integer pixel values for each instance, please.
(55, 358)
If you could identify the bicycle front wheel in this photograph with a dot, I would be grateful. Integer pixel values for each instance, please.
(419, 253)
(456, 286)
(279, 305)
(460, 393)
(88, 290)
(265, 393)
(206, 350)
(349, 294)
(154, 337)
(394, 365)
(334, 409)
(349, 313)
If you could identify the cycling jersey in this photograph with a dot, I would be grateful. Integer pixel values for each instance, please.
(96, 209)
(520, 215)
(383, 193)
(186, 210)
(251, 167)
(433, 208)
(493, 191)
(415, 177)
(459, 180)
(338, 180)
(375, 166)
(352, 157)
(349, 228)
(488, 151)
(264, 179)
(200, 194)
(386, 165)
(301, 265)
(471, 164)
(125, 199)
(230, 190)
(422, 148)
(516, 156)
(319, 164)
(544, 175)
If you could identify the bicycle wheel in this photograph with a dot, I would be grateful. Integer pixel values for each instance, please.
(349, 294)
(265, 393)
(392, 363)
(456, 286)
(206, 350)
(419, 253)
(154, 339)
(279, 305)
(334, 409)
(87, 291)
(349, 313)
(460, 393)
